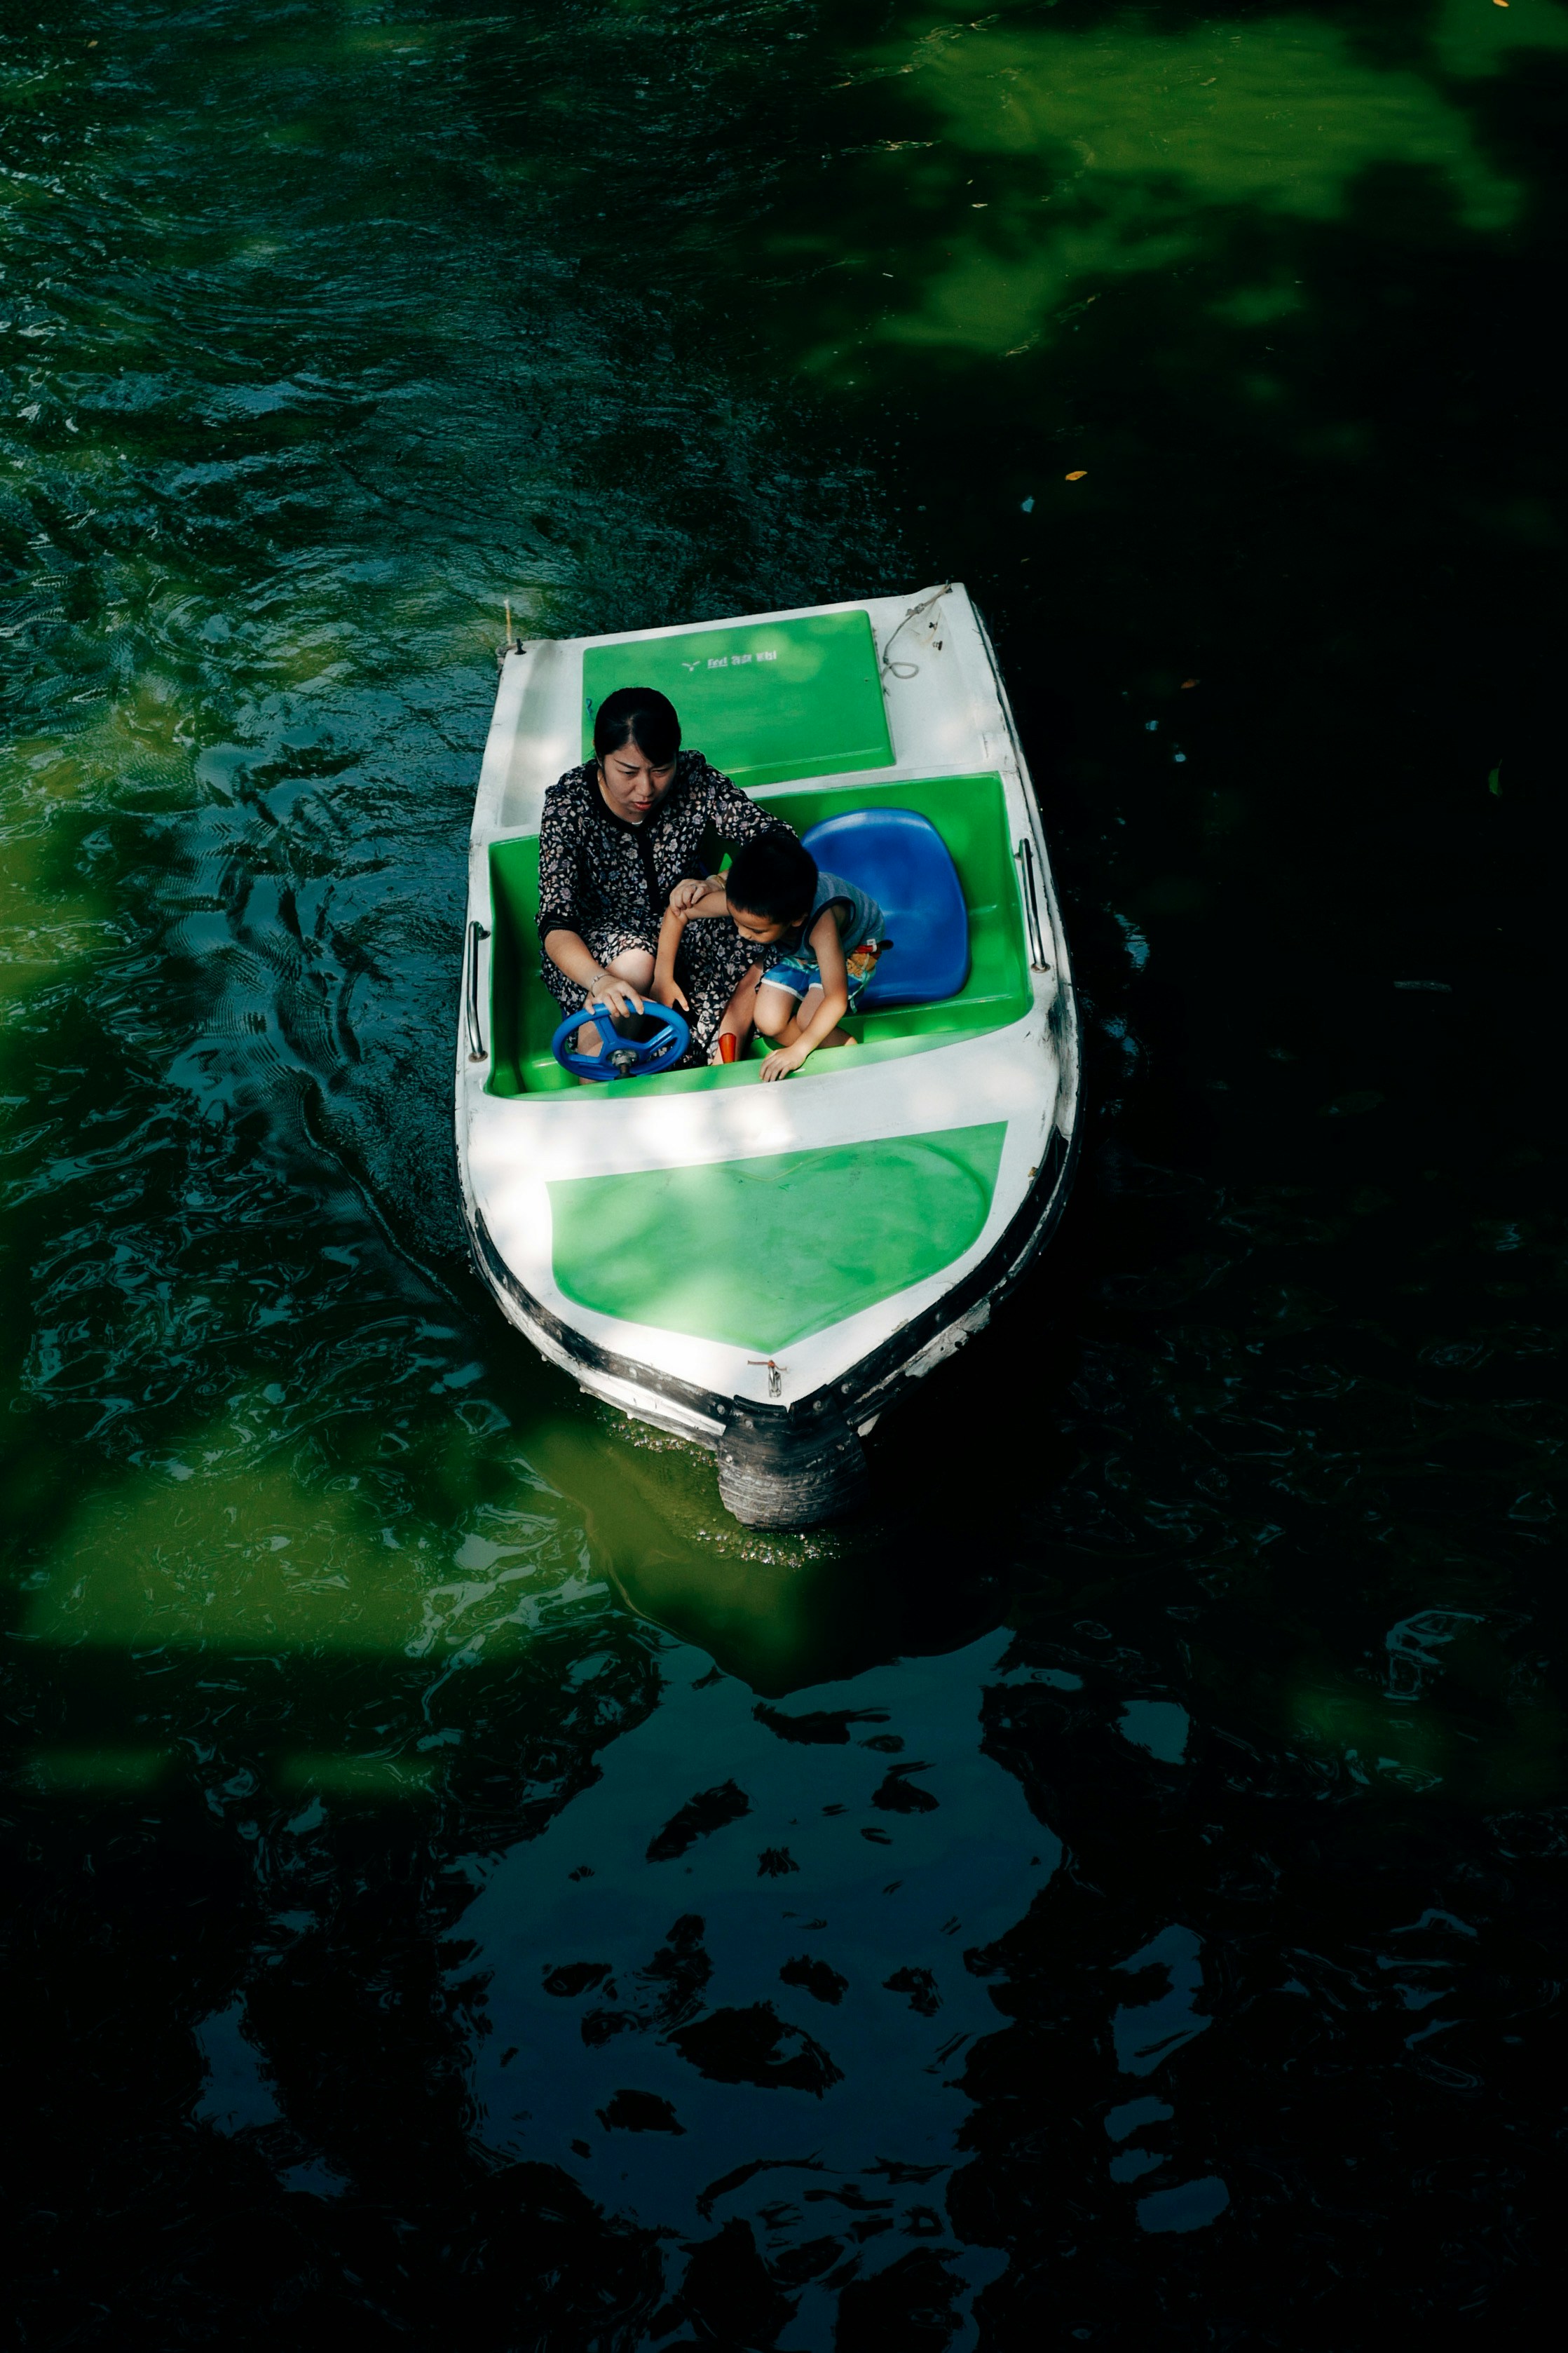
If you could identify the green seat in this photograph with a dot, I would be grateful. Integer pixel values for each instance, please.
(766, 702)
(970, 814)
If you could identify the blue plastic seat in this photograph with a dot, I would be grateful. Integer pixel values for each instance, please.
(901, 860)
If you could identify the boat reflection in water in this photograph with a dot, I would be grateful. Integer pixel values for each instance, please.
(733, 1999)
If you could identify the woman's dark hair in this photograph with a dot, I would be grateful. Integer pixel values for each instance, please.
(639, 715)
(773, 876)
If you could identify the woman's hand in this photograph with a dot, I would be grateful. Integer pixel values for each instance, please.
(783, 1059)
(618, 994)
(684, 896)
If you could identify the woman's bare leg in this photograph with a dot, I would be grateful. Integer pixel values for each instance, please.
(633, 965)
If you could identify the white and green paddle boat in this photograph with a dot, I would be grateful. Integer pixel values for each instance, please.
(766, 1268)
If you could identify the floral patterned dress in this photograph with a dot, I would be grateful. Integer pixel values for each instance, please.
(610, 881)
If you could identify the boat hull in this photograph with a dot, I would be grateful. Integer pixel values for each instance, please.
(786, 1421)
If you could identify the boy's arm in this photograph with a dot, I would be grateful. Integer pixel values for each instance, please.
(828, 950)
(666, 987)
(688, 900)
(700, 898)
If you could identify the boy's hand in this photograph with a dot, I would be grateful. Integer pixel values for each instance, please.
(684, 896)
(783, 1060)
(669, 992)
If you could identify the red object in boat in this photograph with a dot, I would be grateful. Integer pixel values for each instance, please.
(727, 1045)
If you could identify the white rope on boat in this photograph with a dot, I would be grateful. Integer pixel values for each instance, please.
(909, 668)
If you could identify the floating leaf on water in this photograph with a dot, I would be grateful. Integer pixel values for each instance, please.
(1186, 683)
(1080, 475)
(1494, 780)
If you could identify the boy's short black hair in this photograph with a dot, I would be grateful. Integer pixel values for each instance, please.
(773, 876)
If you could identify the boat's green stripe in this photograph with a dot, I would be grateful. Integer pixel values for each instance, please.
(762, 1253)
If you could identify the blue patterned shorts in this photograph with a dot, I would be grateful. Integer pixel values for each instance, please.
(795, 974)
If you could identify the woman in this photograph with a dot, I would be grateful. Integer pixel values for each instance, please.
(616, 835)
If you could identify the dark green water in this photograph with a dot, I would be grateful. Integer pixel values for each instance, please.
(463, 1891)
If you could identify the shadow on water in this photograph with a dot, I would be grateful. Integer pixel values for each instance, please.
(462, 1885)
(779, 1610)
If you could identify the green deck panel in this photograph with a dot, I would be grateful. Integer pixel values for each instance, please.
(969, 812)
(762, 1253)
(765, 700)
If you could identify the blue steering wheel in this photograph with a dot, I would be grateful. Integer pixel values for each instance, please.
(664, 1037)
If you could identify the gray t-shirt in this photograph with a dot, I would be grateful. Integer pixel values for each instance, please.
(855, 912)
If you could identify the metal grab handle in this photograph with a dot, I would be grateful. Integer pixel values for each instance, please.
(476, 932)
(1025, 854)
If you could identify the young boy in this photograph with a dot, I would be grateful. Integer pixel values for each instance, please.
(830, 934)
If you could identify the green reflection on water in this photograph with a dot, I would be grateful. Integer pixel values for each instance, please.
(96, 1770)
(1060, 159)
(776, 1608)
(201, 1551)
(274, 1556)
(1516, 1761)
